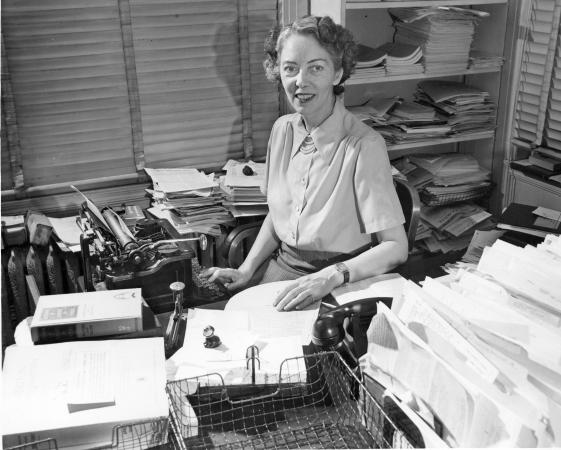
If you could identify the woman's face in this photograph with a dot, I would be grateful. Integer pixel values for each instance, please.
(308, 76)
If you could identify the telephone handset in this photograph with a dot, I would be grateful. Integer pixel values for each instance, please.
(330, 333)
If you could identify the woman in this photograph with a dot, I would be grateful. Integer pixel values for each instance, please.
(334, 215)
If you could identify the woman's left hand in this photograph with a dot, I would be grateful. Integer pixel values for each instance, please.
(304, 291)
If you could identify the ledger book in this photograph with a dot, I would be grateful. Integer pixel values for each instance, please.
(85, 315)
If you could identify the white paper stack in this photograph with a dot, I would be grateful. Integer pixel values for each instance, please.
(241, 188)
(189, 199)
(445, 35)
(473, 355)
(76, 392)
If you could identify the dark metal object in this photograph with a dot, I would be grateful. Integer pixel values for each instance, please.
(211, 340)
(172, 332)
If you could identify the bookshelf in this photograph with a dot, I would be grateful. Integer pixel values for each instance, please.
(371, 25)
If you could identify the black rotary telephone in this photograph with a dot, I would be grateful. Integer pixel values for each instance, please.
(330, 332)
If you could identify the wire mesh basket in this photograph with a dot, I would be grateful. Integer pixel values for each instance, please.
(440, 199)
(134, 436)
(317, 402)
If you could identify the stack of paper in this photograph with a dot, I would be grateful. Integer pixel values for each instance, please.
(188, 199)
(445, 35)
(375, 109)
(453, 226)
(467, 108)
(402, 59)
(369, 57)
(481, 60)
(241, 188)
(471, 355)
(455, 177)
(77, 392)
(410, 121)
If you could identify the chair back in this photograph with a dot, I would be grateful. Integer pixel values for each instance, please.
(411, 205)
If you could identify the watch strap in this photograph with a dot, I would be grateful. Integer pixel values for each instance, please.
(341, 267)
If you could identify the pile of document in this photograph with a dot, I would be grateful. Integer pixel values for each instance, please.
(449, 228)
(241, 188)
(445, 34)
(472, 359)
(189, 199)
(408, 121)
(391, 58)
(78, 392)
(480, 60)
(467, 108)
(370, 62)
(451, 178)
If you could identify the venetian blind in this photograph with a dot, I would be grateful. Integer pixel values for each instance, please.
(67, 73)
(538, 61)
(552, 133)
(193, 78)
(102, 89)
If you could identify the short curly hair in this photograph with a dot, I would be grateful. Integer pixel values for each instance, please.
(335, 39)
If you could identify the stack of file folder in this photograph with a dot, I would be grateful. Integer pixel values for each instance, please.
(189, 199)
(409, 121)
(470, 357)
(444, 34)
(467, 108)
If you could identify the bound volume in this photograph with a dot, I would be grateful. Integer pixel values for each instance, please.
(65, 317)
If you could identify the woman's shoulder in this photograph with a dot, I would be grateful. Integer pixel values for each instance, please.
(284, 120)
(361, 134)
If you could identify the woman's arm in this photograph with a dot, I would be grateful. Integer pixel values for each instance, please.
(265, 244)
(391, 251)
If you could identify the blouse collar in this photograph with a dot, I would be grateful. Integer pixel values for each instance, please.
(326, 136)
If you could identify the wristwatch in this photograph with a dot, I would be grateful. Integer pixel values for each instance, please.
(341, 267)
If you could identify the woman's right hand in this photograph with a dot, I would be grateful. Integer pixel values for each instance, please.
(231, 279)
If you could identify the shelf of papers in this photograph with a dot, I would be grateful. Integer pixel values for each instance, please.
(376, 4)
(361, 76)
(398, 150)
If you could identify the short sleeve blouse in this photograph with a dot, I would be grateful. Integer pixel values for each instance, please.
(333, 198)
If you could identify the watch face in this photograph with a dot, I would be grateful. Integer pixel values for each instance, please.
(208, 331)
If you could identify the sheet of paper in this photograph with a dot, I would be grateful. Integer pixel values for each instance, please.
(480, 240)
(92, 386)
(413, 309)
(548, 213)
(265, 321)
(235, 176)
(386, 285)
(430, 438)
(179, 180)
(66, 229)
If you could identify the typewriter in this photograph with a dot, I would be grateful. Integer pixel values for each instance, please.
(148, 255)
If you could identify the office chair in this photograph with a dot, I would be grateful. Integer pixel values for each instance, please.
(239, 240)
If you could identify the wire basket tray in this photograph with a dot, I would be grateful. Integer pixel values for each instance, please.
(150, 434)
(318, 402)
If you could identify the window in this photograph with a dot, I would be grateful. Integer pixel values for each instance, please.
(537, 117)
(99, 90)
